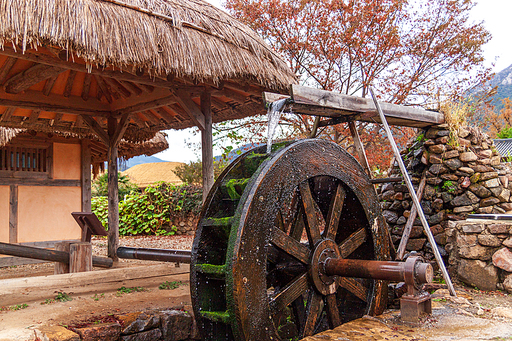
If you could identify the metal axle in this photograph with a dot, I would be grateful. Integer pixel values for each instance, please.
(159, 255)
(384, 270)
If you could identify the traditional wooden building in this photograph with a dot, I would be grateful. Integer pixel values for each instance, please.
(128, 69)
(46, 176)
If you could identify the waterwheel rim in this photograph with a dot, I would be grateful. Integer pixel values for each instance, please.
(292, 185)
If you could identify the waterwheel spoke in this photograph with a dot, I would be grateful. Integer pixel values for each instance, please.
(333, 312)
(353, 241)
(289, 245)
(298, 224)
(314, 220)
(313, 310)
(289, 294)
(354, 287)
(333, 218)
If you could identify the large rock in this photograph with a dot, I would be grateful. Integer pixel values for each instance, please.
(488, 176)
(480, 190)
(498, 228)
(507, 283)
(55, 333)
(437, 218)
(437, 148)
(482, 168)
(468, 157)
(175, 325)
(450, 154)
(504, 195)
(388, 195)
(478, 274)
(489, 240)
(489, 201)
(150, 335)
(438, 169)
(138, 322)
(475, 252)
(503, 259)
(453, 164)
(100, 332)
(472, 228)
(508, 242)
(461, 200)
(435, 158)
(491, 183)
(467, 170)
(415, 244)
(390, 216)
(463, 209)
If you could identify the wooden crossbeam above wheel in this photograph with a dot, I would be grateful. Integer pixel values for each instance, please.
(343, 108)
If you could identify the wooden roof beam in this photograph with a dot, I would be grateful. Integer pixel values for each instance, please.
(97, 129)
(143, 106)
(33, 75)
(194, 112)
(6, 68)
(35, 100)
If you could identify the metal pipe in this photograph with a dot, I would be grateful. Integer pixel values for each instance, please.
(384, 270)
(160, 255)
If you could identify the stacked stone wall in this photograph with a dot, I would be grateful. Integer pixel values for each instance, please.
(480, 253)
(464, 175)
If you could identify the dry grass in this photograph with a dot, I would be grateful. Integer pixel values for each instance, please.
(148, 173)
(183, 38)
(455, 115)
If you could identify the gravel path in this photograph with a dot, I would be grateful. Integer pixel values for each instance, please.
(99, 248)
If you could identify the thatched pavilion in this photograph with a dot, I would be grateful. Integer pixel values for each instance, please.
(127, 69)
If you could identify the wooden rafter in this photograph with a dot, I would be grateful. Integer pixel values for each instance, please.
(104, 89)
(69, 83)
(48, 86)
(117, 87)
(6, 68)
(6, 116)
(87, 86)
(33, 75)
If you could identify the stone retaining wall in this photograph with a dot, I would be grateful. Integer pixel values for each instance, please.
(463, 174)
(480, 254)
(158, 325)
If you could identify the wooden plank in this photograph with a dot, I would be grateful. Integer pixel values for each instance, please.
(120, 129)
(114, 84)
(104, 89)
(22, 181)
(50, 244)
(15, 261)
(331, 100)
(207, 144)
(147, 105)
(15, 286)
(410, 221)
(85, 177)
(134, 89)
(13, 214)
(80, 257)
(33, 75)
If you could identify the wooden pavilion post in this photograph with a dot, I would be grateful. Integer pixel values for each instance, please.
(207, 144)
(113, 193)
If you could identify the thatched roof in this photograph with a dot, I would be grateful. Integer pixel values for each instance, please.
(126, 149)
(185, 38)
(146, 174)
(62, 62)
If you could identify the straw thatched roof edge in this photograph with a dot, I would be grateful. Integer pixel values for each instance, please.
(197, 40)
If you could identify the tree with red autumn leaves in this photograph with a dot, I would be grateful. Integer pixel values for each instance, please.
(412, 52)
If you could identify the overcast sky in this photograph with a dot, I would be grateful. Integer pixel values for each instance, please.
(494, 13)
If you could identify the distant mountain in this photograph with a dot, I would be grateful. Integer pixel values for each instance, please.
(137, 160)
(503, 80)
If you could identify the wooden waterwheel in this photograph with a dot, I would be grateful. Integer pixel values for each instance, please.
(267, 225)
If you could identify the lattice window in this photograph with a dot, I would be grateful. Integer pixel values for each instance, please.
(24, 159)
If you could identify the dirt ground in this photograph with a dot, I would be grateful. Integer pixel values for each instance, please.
(474, 315)
(94, 301)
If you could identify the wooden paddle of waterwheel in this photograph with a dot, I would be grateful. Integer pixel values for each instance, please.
(267, 228)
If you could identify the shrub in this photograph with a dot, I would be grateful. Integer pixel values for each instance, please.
(152, 210)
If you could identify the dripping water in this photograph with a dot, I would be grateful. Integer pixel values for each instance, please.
(274, 114)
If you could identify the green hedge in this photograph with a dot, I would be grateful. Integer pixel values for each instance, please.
(150, 212)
